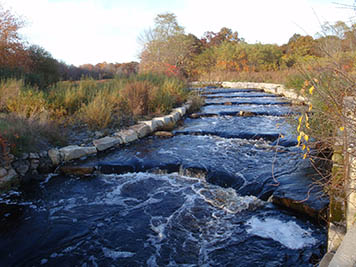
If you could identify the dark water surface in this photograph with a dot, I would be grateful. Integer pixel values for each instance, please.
(197, 199)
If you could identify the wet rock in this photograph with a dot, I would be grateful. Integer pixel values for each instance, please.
(106, 143)
(142, 130)
(127, 136)
(227, 103)
(24, 156)
(34, 164)
(46, 165)
(3, 172)
(9, 179)
(194, 116)
(164, 134)
(34, 156)
(77, 170)
(299, 207)
(76, 152)
(21, 166)
(44, 154)
(246, 114)
(55, 156)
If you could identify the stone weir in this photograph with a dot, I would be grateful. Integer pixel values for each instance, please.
(252, 102)
(15, 170)
(253, 158)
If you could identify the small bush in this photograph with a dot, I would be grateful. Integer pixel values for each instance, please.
(295, 81)
(24, 135)
(197, 103)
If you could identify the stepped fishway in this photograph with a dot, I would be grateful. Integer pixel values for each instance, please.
(227, 188)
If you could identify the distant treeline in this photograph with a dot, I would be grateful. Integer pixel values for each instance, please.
(167, 48)
(37, 67)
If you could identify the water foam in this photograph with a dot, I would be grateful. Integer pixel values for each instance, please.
(289, 234)
(115, 254)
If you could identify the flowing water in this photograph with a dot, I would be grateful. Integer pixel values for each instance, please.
(197, 199)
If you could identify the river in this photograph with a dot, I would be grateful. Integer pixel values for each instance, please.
(199, 198)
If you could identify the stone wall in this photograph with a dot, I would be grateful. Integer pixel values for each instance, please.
(342, 211)
(272, 88)
(14, 169)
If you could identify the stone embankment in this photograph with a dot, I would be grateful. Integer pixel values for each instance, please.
(13, 170)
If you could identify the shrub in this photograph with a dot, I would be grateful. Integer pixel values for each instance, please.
(24, 135)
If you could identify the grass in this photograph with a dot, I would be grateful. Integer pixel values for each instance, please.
(28, 113)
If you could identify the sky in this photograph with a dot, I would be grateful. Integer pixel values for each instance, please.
(92, 31)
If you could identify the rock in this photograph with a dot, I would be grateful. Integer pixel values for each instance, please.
(158, 122)
(34, 164)
(98, 134)
(76, 152)
(3, 172)
(164, 134)
(11, 157)
(175, 116)
(142, 130)
(194, 116)
(10, 178)
(25, 156)
(21, 166)
(181, 111)
(152, 124)
(106, 143)
(163, 121)
(298, 206)
(34, 156)
(127, 136)
(246, 113)
(44, 154)
(227, 103)
(55, 156)
(77, 170)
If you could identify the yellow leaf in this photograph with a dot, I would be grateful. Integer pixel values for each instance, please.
(307, 125)
(303, 147)
(306, 138)
(298, 139)
(342, 128)
(298, 129)
(300, 119)
(282, 136)
(305, 156)
(310, 107)
(306, 117)
(311, 89)
(308, 149)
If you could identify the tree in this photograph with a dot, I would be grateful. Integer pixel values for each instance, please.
(166, 48)
(44, 69)
(12, 52)
(224, 35)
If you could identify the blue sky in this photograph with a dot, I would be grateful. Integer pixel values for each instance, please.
(92, 31)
